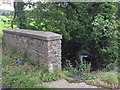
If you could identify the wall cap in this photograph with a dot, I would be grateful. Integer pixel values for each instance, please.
(43, 35)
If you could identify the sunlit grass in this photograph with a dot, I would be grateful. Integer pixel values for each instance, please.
(111, 78)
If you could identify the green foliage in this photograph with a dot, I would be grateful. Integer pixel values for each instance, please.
(104, 35)
(118, 77)
(5, 22)
(93, 25)
(27, 75)
(111, 78)
(83, 69)
(111, 67)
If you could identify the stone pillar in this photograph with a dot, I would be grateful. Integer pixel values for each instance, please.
(43, 48)
(54, 54)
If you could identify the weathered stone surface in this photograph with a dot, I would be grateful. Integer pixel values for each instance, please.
(43, 48)
(34, 34)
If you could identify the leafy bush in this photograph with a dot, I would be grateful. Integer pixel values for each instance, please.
(93, 25)
(5, 22)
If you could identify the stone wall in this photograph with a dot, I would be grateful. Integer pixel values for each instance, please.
(43, 48)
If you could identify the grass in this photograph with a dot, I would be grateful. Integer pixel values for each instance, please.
(29, 75)
(26, 75)
(81, 69)
(4, 23)
(103, 78)
(110, 78)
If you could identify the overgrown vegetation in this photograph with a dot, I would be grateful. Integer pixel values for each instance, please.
(25, 75)
(110, 78)
(5, 22)
(83, 70)
(90, 26)
(94, 26)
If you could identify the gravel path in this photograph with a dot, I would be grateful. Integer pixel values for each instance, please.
(64, 84)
